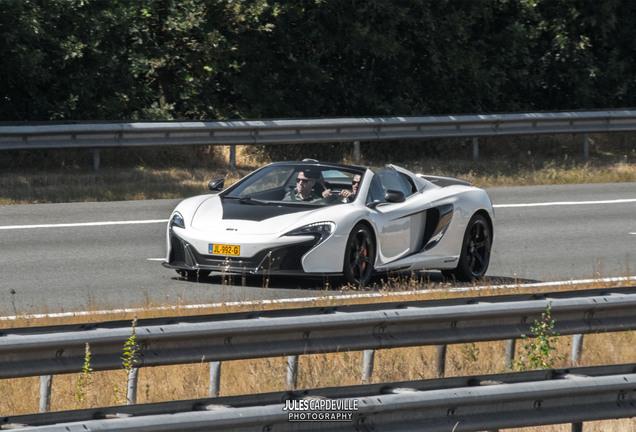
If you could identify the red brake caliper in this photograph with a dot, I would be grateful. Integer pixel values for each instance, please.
(363, 252)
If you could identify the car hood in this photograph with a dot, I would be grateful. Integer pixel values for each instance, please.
(218, 214)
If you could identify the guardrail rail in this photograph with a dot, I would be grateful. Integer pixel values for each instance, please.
(296, 131)
(33, 351)
(473, 403)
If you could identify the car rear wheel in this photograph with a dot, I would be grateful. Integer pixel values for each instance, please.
(475, 254)
(359, 256)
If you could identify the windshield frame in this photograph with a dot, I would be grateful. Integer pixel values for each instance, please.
(283, 180)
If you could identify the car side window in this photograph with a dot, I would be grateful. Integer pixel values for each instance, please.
(393, 180)
(376, 191)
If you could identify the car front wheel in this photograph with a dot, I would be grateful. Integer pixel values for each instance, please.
(359, 256)
(475, 254)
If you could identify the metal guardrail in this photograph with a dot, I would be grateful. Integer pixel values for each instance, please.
(178, 340)
(247, 132)
(46, 351)
(310, 130)
(486, 402)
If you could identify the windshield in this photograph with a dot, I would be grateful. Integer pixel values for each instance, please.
(313, 184)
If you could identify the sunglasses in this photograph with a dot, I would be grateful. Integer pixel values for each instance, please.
(298, 180)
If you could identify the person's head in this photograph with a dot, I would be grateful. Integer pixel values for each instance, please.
(355, 183)
(304, 182)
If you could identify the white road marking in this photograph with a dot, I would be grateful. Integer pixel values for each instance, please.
(84, 224)
(314, 299)
(156, 259)
(565, 203)
(151, 221)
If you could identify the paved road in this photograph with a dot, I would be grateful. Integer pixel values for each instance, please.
(565, 232)
(63, 257)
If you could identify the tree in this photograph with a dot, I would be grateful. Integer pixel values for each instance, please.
(219, 59)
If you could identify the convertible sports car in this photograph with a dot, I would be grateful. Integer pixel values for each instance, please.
(315, 218)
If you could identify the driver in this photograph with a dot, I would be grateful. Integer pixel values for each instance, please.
(305, 181)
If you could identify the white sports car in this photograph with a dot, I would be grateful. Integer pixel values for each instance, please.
(315, 218)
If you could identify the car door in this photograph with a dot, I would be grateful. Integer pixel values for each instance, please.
(398, 225)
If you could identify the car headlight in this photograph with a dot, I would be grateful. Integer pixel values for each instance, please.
(320, 230)
(177, 220)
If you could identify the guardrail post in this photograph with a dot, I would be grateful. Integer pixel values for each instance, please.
(46, 382)
(475, 148)
(577, 348)
(510, 352)
(441, 360)
(131, 393)
(367, 365)
(586, 147)
(356, 152)
(215, 378)
(292, 372)
(232, 156)
(96, 159)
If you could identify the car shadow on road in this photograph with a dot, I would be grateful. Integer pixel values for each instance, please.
(259, 281)
(386, 282)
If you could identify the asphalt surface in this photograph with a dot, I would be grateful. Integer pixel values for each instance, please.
(68, 257)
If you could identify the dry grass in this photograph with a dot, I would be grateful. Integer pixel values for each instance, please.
(128, 179)
(177, 173)
(106, 185)
(145, 184)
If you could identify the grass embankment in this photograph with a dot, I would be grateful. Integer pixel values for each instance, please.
(266, 375)
(131, 174)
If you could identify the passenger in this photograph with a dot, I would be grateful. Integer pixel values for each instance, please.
(349, 195)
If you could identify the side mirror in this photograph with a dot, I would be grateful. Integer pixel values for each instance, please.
(216, 185)
(394, 196)
(390, 196)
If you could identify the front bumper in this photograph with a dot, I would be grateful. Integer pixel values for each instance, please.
(286, 259)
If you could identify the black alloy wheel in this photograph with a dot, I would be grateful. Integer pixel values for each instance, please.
(359, 256)
(475, 254)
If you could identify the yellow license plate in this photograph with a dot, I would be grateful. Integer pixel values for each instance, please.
(221, 249)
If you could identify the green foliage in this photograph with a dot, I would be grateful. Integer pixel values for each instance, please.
(130, 360)
(84, 379)
(538, 350)
(214, 59)
(131, 350)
